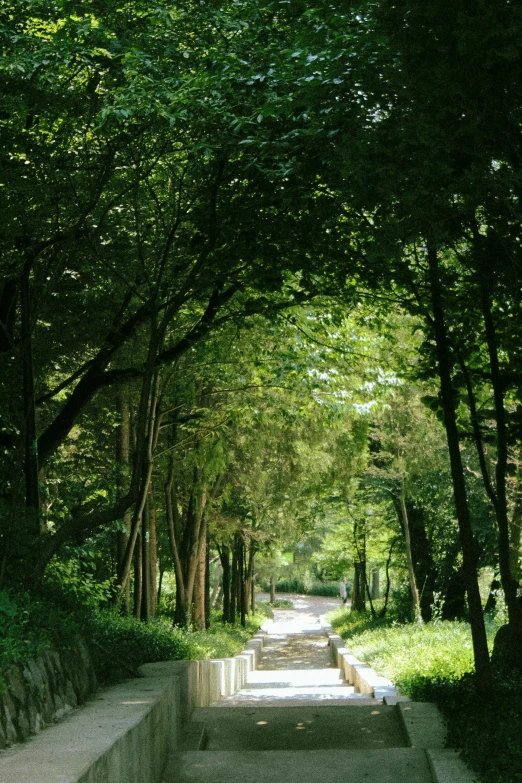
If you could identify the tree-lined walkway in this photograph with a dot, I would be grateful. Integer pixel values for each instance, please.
(297, 720)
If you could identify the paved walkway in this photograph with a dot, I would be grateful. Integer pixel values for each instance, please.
(297, 721)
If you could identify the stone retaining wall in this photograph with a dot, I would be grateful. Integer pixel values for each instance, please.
(126, 733)
(42, 691)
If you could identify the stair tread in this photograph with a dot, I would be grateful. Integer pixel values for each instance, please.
(392, 765)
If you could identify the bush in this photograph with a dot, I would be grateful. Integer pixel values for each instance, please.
(328, 589)
(222, 640)
(29, 626)
(487, 728)
(120, 645)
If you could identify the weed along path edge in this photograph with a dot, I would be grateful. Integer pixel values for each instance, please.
(300, 719)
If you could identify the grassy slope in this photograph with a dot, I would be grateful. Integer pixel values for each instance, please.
(434, 662)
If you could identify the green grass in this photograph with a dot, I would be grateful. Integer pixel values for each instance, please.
(223, 641)
(408, 654)
(434, 662)
(265, 607)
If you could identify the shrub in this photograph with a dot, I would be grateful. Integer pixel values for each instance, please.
(328, 589)
(29, 626)
(120, 645)
(222, 640)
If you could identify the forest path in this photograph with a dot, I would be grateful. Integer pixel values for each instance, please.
(297, 721)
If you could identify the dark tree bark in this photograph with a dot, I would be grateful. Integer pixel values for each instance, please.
(153, 555)
(241, 574)
(234, 587)
(509, 583)
(31, 444)
(145, 563)
(469, 548)
(200, 583)
(122, 484)
(207, 582)
(138, 579)
(359, 588)
(224, 556)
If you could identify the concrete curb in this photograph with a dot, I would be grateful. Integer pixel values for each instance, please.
(422, 722)
(447, 767)
(126, 733)
(357, 673)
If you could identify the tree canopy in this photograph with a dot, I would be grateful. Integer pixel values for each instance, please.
(260, 289)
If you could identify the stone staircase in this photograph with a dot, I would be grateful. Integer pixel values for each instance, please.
(298, 721)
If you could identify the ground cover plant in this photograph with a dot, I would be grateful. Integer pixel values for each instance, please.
(434, 662)
(118, 645)
(266, 607)
(325, 589)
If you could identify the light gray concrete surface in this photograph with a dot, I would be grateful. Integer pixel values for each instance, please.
(278, 729)
(303, 727)
(423, 724)
(126, 733)
(448, 767)
(400, 765)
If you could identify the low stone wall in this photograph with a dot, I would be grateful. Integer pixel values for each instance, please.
(126, 733)
(42, 691)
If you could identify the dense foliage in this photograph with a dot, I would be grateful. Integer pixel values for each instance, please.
(260, 297)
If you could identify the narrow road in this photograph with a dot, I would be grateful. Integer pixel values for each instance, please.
(297, 721)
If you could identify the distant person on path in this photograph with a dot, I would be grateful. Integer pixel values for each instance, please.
(342, 591)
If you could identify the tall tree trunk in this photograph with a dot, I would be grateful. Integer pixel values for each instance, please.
(469, 549)
(407, 540)
(138, 580)
(207, 581)
(272, 588)
(122, 485)
(234, 588)
(153, 554)
(249, 585)
(509, 584)
(31, 443)
(241, 571)
(215, 588)
(359, 588)
(515, 528)
(200, 584)
(145, 562)
(160, 585)
(147, 432)
(224, 556)
(376, 590)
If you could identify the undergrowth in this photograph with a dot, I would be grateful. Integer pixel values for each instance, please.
(118, 645)
(434, 662)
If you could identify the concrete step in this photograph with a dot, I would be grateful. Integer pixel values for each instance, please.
(303, 727)
(194, 736)
(296, 678)
(280, 693)
(393, 765)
